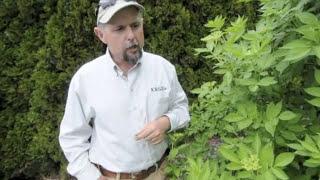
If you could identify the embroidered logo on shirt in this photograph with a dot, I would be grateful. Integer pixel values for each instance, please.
(160, 88)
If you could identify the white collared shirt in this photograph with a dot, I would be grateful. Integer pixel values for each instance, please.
(105, 110)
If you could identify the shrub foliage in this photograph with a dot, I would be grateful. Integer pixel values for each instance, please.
(260, 118)
(42, 43)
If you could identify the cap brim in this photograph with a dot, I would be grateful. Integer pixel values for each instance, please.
(112, 10)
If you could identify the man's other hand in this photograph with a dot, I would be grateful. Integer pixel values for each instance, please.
(155, 131)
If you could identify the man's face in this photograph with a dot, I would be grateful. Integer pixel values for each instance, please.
(124, 35)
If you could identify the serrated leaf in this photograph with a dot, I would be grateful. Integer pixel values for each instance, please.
(312, 163)
(257, 143)
(315, 102)
(296, 54)
(316, 51)
(317, 140)
(283, 159)
(308, 18)
(303, 153)
(246, 82)
(217, 23)
(273, 110)
(234, 166)
(279, 173)
(267, 81)
(268, 176)
(295, 146)
(201, 50)
(288, 135)
(244, 124)
(314, 91)
(287, 115)
(244, 174)
(281, 66)
(229, 155)
(317, 75)
(297, 44)
(233, 117)
(308, 32)
(244, 151)
(309, 146)
(270, 128)
(296, 128)
(266, 156)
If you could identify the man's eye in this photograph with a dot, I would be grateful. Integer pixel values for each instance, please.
(120, 28)
(136, 25)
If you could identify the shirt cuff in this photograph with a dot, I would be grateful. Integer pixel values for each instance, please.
(89, 172)
(173, 121)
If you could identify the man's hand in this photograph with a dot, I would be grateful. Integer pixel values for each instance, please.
(155, 131)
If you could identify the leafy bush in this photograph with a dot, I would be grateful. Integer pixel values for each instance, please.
(42, 43)
(250, 123)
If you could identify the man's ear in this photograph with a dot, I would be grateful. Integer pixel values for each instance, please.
(99, 33)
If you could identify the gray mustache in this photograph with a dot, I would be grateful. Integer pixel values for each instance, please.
(133, 46)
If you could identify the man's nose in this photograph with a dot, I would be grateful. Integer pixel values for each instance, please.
(130, 33)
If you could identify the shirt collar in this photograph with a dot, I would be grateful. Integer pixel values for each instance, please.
(115, 67)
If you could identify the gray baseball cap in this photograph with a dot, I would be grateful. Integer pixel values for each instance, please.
(107, 8)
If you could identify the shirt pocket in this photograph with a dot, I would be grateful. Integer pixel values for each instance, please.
(158, 104)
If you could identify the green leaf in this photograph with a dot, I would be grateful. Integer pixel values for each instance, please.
(295, 146)
(297, 44)
(315, 102)
(316, 51)
(312, 163)
(317, 75)
(308, 18)
(297, 54)
(279, 173)
(217, 23)
(270, 127)
(244, 175)
(308, 32)
(229, 155)
(288, 135)
(283, 159)
(244, 124)
(234, 166)
(303, 153)
(314, 91)
(296, 127)
(281, 66)
(233, 117)
(244, 151)
(273, 110)
(267, 81)
(309, 146)
(287, 115)
(317, 140)
(253, 88)
(266, 156)
(257, 143)
(246, 82)
(268, 175)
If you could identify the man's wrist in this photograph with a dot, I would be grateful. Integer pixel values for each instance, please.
(166, 122)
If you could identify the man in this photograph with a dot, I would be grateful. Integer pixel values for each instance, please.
(121, 105)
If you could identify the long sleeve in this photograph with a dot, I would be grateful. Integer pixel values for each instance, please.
(75, 133)
(178, 110)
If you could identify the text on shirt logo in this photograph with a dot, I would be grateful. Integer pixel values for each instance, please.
(160, 88)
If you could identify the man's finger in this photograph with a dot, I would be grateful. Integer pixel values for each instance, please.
(143, 133)
(157, 140)
(152, 135)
